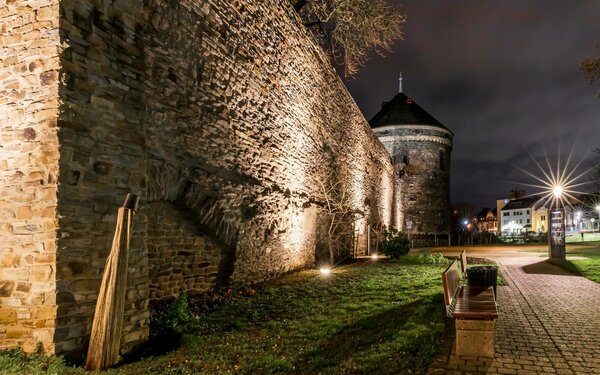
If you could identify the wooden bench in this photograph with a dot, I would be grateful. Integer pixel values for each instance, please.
(475, 312)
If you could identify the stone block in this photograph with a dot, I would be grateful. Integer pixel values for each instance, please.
(8, 316)
(23, 213)
(43, 334)
(6, 288)
(23, 287)
(475, 337)
(7, 260)
(45, 258)
(18, 333)
(41, 273)
(45, 313)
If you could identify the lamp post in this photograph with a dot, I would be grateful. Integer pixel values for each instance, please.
(592, 220)
(556, 243)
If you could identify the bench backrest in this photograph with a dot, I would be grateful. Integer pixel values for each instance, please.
(450, 281)
(463, 262)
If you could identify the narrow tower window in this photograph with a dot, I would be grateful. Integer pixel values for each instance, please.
(442, 160)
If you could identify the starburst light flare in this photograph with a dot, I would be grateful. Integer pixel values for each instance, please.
(559, 183)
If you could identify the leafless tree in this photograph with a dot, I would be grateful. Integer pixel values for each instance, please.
(349, 29)
(340, 212)
(377, 230)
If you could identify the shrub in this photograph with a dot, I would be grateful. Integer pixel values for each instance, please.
(14, 361)
(171, 318)
(395, 243)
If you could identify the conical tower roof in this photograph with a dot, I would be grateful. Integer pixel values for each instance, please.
(402, 110)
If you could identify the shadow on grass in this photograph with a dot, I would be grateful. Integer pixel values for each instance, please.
(156, 346)
(553, 267)
(414, 350)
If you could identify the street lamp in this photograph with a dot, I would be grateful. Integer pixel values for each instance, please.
(557, 190)
(465, 224)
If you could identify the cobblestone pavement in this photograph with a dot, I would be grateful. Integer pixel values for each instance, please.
(549, 324)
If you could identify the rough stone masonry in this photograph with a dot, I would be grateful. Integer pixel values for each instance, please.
(223, 115)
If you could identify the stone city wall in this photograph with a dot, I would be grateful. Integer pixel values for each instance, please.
(225, 117)
(29, 64)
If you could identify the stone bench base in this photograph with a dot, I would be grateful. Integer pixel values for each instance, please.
(475, 338)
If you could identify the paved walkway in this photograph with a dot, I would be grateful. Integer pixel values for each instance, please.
(549, 323)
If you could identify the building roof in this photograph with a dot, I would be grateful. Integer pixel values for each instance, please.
(517, 204)
(403, 110)
(484, 212)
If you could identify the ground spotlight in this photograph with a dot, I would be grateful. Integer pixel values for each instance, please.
(375, 256)
(325, 270)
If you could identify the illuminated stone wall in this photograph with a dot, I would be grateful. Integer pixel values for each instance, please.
(29, 67)
(182, 256)
(223, 116)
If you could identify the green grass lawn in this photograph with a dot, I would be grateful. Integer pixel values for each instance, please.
(590, 267)
(590, 238)
(382, 317)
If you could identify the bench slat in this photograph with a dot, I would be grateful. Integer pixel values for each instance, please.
(450, 282)
(467, 302)
(475, 303)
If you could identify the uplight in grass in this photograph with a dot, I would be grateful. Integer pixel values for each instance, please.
(325, 271)
(375, 256)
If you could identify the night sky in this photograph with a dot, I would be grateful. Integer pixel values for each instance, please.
(504, 77)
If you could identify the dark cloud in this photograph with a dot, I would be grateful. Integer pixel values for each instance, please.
(503, 76)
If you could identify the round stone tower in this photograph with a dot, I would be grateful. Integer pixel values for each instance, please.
(420, 148)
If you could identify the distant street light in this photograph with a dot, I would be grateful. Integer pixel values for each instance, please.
(557, 190)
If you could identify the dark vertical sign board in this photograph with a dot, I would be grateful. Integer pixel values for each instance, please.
(557, 234)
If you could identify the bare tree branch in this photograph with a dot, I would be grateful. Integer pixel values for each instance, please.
(353, 28)
(591, 68)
